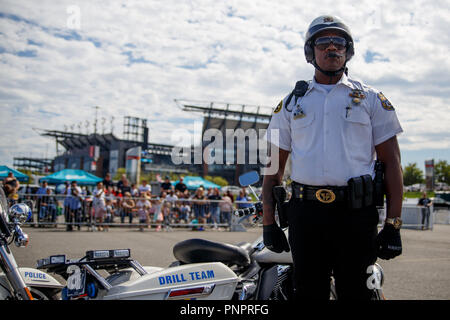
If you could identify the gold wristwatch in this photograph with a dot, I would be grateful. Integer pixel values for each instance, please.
(395, 222)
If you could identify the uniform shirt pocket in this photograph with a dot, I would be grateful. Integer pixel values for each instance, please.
(357, 132)
(357, 116)
(302, 122)
(302, 132)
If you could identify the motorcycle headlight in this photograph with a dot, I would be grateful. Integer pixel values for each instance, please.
(20, 212)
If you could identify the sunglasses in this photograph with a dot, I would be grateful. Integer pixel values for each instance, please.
(324, 42)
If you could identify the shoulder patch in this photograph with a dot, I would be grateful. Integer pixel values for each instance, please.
(279, 107)
(385, 102)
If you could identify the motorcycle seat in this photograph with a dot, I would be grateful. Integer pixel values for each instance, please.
(200, 250)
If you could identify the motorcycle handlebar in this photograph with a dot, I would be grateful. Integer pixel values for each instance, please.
(256, 210)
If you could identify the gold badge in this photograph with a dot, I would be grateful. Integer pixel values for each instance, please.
(357, 96)
(385, 102)
(325, 196)
(279, 107)
(299, 113)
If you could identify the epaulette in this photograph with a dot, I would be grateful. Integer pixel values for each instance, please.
(299, 91)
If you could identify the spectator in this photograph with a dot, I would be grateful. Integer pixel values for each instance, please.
(144, 187)
(43, 188)
(166, 211)
(185, 212)
(181, 186)
(143, 206)
(66, 200)
(125, 187)
(214, 206)
(425, 203)
(74, 206)
(128, 205)
(107, 182)
(40, 194)
(186, 194)
(134, 191)
(226, 208)
(230, 195)
(199, 207)
(110, 194)
(48, 206)
(99, 205)
(121, 183)
(166, 185)
(243, 198)
(158, 216)
(11, 186)
(172, 198)
(109, 218)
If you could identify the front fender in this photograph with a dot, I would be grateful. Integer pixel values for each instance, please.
(37, 278)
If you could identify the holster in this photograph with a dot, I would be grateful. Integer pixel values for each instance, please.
(360, 192)
(355, 193)
(279, 194)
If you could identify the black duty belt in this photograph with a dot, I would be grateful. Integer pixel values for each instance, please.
(324, 194)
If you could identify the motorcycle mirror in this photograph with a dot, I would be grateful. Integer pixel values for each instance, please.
(20, 212)
(248, 178)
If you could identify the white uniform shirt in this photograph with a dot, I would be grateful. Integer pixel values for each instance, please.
(330, 143)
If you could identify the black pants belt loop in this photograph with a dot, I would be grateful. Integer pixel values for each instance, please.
(324, 194)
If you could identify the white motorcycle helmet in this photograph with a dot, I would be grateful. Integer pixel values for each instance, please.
(322, 23)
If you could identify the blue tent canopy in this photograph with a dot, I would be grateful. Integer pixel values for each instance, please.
(193, 183)
(4, 170)
(80, 176)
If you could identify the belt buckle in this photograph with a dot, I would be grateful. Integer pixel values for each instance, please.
(325, 195)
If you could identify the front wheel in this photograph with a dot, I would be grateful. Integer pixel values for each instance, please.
(41, 294)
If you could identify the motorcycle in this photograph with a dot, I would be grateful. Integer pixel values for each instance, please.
(20, 283)
(203, 270)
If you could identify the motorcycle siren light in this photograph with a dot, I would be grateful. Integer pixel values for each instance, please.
(108, 254)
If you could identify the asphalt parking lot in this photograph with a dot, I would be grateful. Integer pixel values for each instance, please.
(420, 273)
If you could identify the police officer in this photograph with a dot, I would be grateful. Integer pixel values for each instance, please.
(334, 128)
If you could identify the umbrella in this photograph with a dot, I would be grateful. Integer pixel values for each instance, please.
(80, 176)
(193, 183)
(4, 170)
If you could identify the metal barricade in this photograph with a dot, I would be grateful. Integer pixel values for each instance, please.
(56, 210)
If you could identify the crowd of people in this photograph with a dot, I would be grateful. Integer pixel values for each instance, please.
(173, 205)
(110, 203)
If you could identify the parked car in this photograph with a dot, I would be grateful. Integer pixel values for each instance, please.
(439, 203)
(233, 189)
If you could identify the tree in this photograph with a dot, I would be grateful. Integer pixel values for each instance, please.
(442, 171)
(412, 174)
(220, 181)
(119, 173)
(217, 180)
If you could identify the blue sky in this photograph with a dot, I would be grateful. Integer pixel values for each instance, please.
(59, 59)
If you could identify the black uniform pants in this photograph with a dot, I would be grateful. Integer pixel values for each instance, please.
(330, 239)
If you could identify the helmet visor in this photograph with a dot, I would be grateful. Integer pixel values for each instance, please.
(324, 42)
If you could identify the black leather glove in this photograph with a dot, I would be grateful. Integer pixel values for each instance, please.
(275, 239)
(389, 243)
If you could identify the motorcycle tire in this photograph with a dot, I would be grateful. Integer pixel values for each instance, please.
(41, 294)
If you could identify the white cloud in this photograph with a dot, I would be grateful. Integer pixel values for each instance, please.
(134, 58)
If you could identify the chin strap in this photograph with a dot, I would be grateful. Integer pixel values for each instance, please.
(331, 73)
